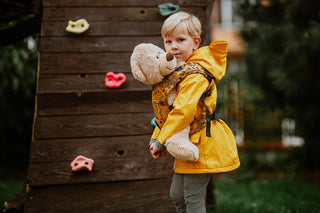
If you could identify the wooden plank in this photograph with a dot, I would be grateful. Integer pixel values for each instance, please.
(121, 3)
(51, 63)
(95, 44)
(84, 83)
(99, 148)
(116, 159)
(117, 197)
(92, 125)
(206, 24)
(116, 169)
(94, 103)
(100, 13)
(111, 13)
(105, 28)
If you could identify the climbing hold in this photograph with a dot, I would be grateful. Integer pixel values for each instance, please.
(81, 163)
(114, 80)
(168, 9)
(77, 27)
(153, 122)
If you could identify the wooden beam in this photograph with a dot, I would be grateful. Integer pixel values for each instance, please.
(36, 6)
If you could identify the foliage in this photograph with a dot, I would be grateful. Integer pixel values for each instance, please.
(18, 66)
(283, 42)
(259, 121)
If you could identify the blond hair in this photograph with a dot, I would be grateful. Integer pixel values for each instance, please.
(181, 21)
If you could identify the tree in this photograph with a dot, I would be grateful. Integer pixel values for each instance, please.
(18, 68)
(283, 43)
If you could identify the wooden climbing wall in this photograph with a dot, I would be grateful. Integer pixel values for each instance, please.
(77, 115)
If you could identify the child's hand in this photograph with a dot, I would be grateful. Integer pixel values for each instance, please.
(155, 152)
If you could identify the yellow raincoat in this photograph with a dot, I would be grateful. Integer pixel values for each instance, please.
(217, 153)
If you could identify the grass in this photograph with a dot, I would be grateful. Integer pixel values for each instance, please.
(272, 195)
(11, 184)
(239, 193)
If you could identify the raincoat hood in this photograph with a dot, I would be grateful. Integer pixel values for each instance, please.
(213, 58)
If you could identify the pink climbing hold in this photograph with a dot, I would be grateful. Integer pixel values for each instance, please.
(113, 80)
(81, 163)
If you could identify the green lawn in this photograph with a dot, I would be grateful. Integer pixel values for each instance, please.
(9, 188)
(273, 195)
(240, 193)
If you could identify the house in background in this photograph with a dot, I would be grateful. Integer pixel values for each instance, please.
(226, 26)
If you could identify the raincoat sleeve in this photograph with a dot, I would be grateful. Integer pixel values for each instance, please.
(155, 133)
(184, 109)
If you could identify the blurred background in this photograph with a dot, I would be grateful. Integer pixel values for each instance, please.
(269, 97)
(270, 93)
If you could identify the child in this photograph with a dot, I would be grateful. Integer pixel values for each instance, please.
(194, 106)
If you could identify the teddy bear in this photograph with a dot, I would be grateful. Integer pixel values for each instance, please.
(149, 65)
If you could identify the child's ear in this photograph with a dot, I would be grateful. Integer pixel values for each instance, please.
(196, 43)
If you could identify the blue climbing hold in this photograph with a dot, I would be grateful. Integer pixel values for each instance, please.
(167, 9)
(153, 122)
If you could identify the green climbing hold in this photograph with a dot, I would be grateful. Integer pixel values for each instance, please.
(167, 9)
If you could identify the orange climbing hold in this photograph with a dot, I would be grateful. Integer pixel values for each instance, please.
(81, 163)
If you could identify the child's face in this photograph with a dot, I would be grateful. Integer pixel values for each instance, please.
(181, 45)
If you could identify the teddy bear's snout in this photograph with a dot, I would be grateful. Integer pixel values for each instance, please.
(169, 56)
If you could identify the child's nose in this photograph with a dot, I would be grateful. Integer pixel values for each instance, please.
(174, 45)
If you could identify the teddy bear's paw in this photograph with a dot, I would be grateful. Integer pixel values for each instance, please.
(184, 153)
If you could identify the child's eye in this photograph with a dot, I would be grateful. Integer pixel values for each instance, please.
(168, 42)
(181, 40)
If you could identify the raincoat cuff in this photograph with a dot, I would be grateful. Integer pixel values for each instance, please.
(159, 145)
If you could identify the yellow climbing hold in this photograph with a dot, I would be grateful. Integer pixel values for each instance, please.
(77, 27)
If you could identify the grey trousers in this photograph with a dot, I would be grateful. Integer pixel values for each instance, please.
(188, 192)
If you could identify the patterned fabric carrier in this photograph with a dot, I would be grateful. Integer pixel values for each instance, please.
(170, 82)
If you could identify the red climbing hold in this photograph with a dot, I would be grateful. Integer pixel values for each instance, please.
(81, 163)
(114, 80)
